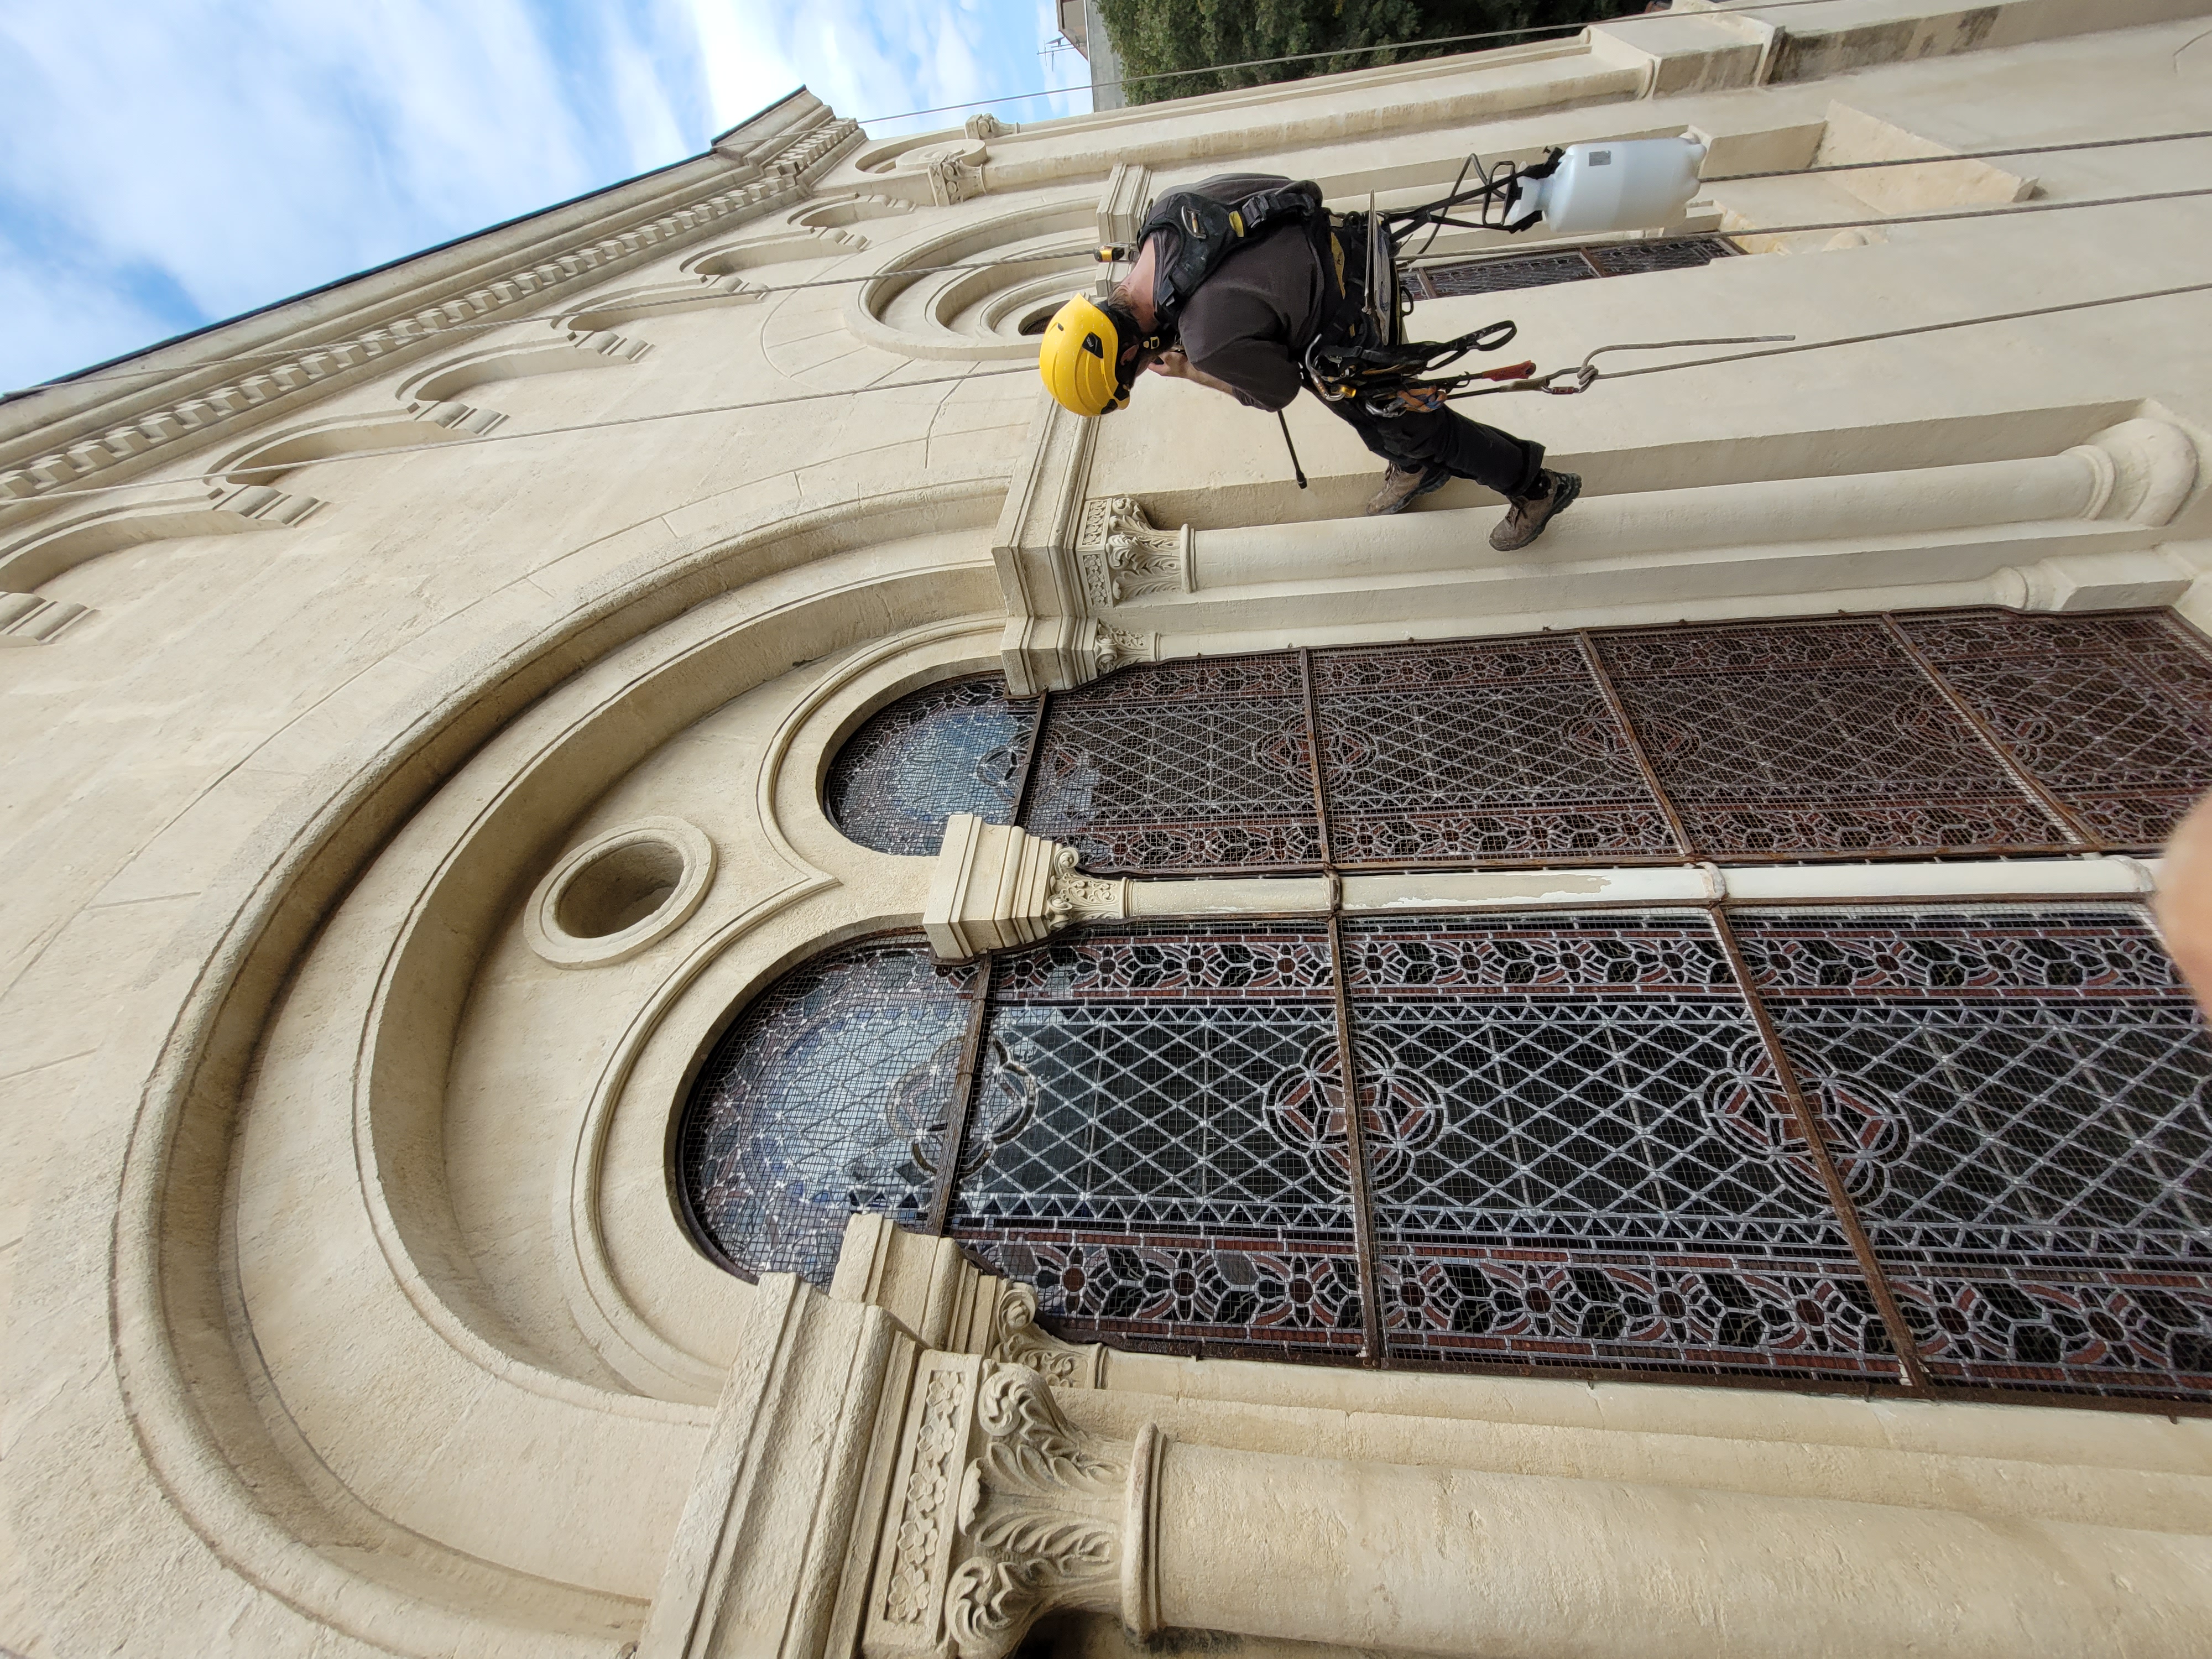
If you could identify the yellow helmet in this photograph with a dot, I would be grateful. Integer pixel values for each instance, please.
(1081, 358)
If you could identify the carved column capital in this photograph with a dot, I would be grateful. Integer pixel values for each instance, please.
(1018, 1340)
(1044, 1516)
(1124, 556)
(1069, 895)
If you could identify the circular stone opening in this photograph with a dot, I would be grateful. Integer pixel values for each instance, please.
(619, 889)
(620, 893)
(1037, 321)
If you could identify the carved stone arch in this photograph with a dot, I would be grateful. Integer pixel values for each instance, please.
(783, 247)
(642, 304)
(850, 210)
(27, 618)
(270, 457)
(443, 383)
(918, 309)
(281, 1492)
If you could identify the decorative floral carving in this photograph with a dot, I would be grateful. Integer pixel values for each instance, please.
(1021, 1342)
(1069, 895)
(1123, 555)
(909, 1595)
(953, 179)
(1111, 646)
(986, 126)
(1043, 1507)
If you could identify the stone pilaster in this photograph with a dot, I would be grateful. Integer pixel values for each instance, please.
(998, 888)
(947, 1302)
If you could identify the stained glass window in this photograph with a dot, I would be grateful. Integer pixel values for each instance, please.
(1498, 275)
(1963, 733)
(827, 1096)
(1960, 1149)
(955, 747)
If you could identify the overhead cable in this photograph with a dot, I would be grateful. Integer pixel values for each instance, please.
(1959, 156)
(1346, 52)
(680, 302)
(2011, 210)
(234, 474)
(452, 444)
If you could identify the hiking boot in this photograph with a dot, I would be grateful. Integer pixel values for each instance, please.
(1403, 485)
(1554, 494)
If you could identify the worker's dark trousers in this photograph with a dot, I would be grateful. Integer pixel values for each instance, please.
(1506, 463)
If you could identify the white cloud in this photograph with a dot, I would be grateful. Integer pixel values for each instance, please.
(188, 161)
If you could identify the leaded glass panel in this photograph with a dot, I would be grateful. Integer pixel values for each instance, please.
(1581, 1155)
(1153, 1144)
(955, 747)
(2112, 714)
(1814, 737)
(2020, 1097)
(1182, 766)
(829, 1095)
(1490, 751)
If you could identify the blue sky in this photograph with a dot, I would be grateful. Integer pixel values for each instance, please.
(165, 165)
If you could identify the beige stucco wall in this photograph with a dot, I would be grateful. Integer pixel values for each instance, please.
(345, 1309)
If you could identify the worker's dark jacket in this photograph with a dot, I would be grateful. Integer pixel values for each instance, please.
(1250, 322)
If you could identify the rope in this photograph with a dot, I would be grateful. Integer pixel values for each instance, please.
(1962, 155)
(1905, 333)
(684, 300)
(1864, 224)
(1587, 374)
(230, 474)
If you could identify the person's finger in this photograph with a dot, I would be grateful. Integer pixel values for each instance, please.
(2184, 903)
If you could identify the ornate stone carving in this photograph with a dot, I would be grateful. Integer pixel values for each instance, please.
(955, 171)
(1112, 647)
(1124, 556)
(986, 126)
(785, 185)
(1071, 897)
(1044, 1508)
(909, 1591)
(1018, 1341)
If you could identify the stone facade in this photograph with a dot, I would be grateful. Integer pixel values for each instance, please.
(378, 879)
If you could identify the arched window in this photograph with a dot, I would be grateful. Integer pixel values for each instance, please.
(1731, 1143)
(956, 747)
(826, 1097)
(1941, 734)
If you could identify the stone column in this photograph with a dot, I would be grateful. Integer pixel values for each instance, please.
(1003, 1510)
(2137, 473)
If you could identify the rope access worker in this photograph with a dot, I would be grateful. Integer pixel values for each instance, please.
(1244, 284)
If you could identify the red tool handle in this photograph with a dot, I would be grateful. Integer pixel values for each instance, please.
(1510, 372)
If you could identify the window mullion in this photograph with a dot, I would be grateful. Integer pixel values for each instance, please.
(2076, 831)
(1375, 1345)
(1030, 758)
(1604, 683)
(962, 1104)
(1376, 1349)
(1816, 1142)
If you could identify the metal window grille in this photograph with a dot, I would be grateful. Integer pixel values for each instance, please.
(1950, 1151)
(828, 1096)
(1946, 734)
(956, 747)
(1498, 275)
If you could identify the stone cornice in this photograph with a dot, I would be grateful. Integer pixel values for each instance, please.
(105, 430)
